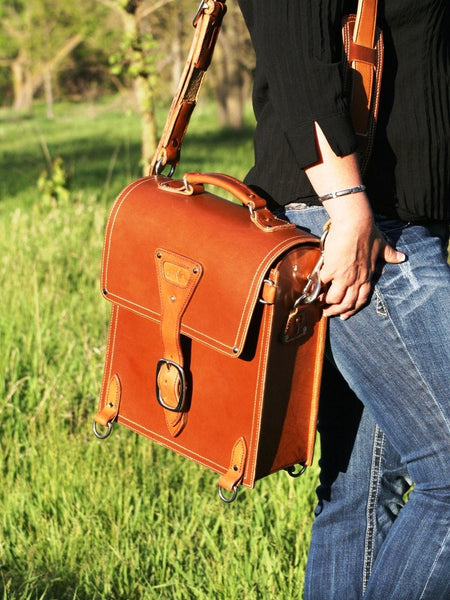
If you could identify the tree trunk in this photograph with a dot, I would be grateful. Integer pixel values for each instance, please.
(22, 83)
(177, 51)
(228, 86)
(149, 139)
(48, 94)
(230, 75)
(27, 79)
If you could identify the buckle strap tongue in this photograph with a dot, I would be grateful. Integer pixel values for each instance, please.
(178, 277)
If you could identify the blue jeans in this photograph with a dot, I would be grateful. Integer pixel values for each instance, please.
(384, 422)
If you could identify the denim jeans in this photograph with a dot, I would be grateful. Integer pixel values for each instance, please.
(384, 422)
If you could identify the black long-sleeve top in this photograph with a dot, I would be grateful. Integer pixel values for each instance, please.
(298, 80)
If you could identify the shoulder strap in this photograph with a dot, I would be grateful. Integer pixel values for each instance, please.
(207, 23)
(364, 58)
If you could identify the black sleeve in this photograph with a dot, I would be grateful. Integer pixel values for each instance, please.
(298, 52)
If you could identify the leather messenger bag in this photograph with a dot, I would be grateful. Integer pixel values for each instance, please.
(216, 340)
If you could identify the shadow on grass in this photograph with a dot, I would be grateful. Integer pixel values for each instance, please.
(94, 160)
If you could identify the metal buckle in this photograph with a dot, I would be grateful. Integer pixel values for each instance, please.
(203, 4)
(182, 397)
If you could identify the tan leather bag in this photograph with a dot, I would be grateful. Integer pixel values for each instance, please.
(216, 340)
(214, 349)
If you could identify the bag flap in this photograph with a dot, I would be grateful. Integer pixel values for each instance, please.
(234, 254)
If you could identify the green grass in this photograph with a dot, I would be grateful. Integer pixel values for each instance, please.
(124, 518)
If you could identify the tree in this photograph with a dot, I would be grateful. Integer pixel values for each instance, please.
(35, 46)
(138, 56)
(232, 68)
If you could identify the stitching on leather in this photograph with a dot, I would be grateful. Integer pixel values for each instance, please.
(110, 344)
(250, 300)
(182, 449)
(111, 223)
(262, 364)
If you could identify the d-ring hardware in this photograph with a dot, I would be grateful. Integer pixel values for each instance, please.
(102, 436)
(227, 499)
(313, 283)
(293, 472)
(160, 166)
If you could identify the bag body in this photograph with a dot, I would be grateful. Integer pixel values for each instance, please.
(214, 348)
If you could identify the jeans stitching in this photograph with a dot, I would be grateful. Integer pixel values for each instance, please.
(380, 306)
(371, 516)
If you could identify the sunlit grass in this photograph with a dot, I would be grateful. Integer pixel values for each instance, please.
(121, 519)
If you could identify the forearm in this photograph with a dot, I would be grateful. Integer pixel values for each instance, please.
(334, 173)
(354, 243)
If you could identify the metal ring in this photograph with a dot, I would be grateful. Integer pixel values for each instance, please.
(293, 473)
(102, 436)
(187, 186)
(160, 166)
(227, 499)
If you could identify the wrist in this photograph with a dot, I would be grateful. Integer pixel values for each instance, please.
(349, 210)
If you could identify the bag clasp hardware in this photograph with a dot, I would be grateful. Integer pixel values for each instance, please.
(98, 434)
(181, 385)
(313, 284)
(294, 472)
(202, 6)
(159, 167)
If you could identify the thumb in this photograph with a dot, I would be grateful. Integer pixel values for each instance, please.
(392, 256)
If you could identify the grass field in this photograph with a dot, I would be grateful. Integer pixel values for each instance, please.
(120, 519)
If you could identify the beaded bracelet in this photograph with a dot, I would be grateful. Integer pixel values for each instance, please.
(347, 192)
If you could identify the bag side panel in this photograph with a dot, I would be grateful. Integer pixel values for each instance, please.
(289, 415)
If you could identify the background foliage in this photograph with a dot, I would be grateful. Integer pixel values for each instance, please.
(123, 519)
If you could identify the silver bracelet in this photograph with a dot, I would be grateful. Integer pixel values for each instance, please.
(347, 192)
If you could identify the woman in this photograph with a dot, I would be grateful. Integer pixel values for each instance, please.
(384, 416)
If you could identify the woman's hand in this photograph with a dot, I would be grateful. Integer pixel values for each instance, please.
(350, 255)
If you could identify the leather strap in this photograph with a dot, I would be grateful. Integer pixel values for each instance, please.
(261, 216)
(178, 277)
(110, 410)
(363, 58)
(231, 480)
(207, 24)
